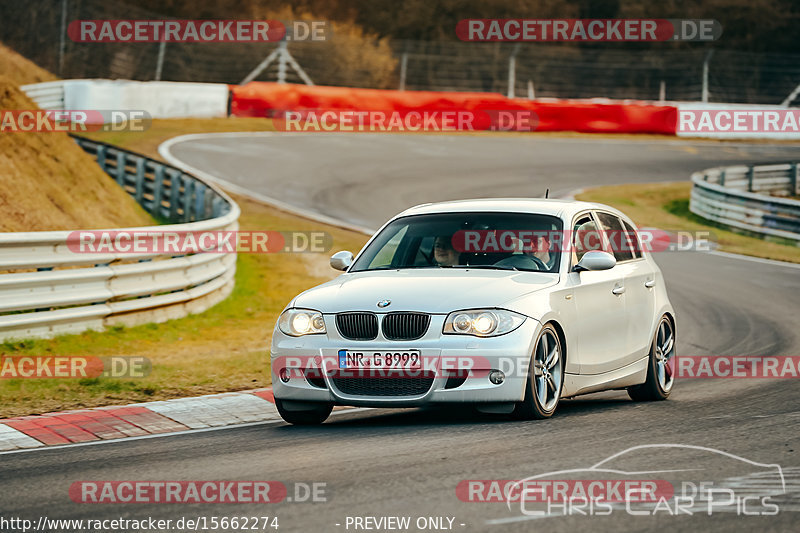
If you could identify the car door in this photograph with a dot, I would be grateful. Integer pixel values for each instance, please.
(599, 300)
(637, 277)
(640, 282)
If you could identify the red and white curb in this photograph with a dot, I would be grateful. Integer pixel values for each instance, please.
(137, 420)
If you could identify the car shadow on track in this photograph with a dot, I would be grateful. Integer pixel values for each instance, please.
(464, 415)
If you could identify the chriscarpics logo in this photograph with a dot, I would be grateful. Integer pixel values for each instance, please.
(685, 480)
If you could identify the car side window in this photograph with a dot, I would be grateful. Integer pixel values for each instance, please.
(633, 238)
(586, 237)
(615, 233)
(385, 257)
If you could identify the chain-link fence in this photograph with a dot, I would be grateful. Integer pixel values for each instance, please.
(650, 72)
(542, 70)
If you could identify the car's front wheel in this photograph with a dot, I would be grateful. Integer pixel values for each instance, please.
(303, 415)
(545, 377)
(660, 365)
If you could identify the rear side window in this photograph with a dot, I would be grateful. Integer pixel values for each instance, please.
(621, 247)
(633, 238)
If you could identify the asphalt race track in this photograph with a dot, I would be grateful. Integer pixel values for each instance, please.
(409, 462)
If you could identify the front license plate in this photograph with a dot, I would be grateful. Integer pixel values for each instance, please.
(368, 359)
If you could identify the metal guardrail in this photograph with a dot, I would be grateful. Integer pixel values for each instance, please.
(47, 95)
(47, 289)
(738, 197)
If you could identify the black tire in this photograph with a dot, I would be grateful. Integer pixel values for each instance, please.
(654, 388)
(531, 408)
(306, 417)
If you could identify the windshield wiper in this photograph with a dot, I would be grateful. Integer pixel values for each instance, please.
(397, 268)
(484, 267)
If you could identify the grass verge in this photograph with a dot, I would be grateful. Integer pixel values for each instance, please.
(666, 206)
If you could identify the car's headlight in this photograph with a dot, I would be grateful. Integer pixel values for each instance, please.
(298, 322)
(482, 322)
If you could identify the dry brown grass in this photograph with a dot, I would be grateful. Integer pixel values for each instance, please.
(47, 182)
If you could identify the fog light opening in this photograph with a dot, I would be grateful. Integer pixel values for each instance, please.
(285, 375)
(497, 377)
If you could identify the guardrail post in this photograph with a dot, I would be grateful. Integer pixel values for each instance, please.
(722, 177)
(794, 180)
(175, 191)
(139, 180)
(158, 188)
(101, 156)
(121, 168)
(188, 189)
(750, 172)
(200, 202)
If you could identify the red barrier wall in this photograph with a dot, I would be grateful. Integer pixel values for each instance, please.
(260, 99)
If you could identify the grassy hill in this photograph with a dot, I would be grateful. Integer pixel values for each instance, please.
(46, 181)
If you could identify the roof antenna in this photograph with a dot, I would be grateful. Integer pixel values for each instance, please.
(547, 193)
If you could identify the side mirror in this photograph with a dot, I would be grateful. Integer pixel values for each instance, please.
(595, 260)
(342, 260)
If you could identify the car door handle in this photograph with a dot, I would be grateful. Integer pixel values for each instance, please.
(618, 290)
(650, 283)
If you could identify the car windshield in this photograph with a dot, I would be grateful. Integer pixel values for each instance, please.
(500, 241)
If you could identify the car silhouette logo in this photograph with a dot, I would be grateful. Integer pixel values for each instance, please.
(384, 303)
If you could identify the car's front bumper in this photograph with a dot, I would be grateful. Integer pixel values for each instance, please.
(510, 353)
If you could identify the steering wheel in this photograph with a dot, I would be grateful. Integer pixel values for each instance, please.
(523, 262)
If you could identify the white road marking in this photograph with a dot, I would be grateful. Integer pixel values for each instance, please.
(771, 262)
(164, 151)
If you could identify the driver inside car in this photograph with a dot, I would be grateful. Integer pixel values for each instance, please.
(444, 254)
(540, 249)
